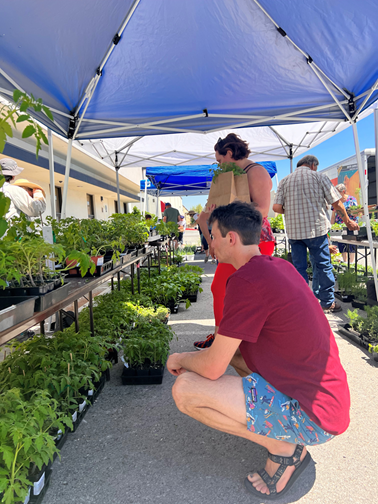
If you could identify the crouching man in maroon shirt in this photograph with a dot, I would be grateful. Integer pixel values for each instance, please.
(293, 391)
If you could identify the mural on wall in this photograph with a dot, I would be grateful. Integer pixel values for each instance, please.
(348, 175)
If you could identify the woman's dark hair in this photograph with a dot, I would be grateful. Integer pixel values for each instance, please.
(232, 142)
(240, 217)
(8, 178)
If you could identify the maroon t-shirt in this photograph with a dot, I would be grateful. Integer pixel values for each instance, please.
(287, 338)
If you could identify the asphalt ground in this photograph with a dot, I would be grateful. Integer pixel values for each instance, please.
(135, 447)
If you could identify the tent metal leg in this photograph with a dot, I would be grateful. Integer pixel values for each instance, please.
(51, 168)
(376, 147)
(365, 203)
(66, 178)
(118, 196)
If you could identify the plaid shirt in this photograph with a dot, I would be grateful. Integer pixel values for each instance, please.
(305, 196)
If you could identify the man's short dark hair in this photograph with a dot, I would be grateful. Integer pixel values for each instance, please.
(308, 160)
(242, 218)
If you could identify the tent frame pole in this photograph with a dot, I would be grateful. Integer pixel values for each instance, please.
(283, 219)
(66, 178)
(51, 170)
(376, 148)
(145, 192)
(117, 179)
(363, 181)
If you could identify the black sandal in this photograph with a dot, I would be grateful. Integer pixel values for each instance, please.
(271, 482)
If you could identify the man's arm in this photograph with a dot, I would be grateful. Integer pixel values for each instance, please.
(202, 222)
(278, 208)
(341, 212)
(32, 207)
(210, 363)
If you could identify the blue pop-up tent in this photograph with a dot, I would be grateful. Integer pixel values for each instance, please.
(144, 67)
(186, 180)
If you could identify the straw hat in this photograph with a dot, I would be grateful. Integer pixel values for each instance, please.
(30, 185)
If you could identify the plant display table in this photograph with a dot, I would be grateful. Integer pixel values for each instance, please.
(77, 288)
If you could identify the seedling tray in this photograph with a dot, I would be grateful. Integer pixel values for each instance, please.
(358, 304)
(41, 290)
(99, 271)
(345, 298)
(56, 296)
(150, 376)
(62, 441)
(37, 499)
(356, 337)
(15, 309)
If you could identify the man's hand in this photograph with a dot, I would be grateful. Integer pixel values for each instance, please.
(352, 226)
(174, 366)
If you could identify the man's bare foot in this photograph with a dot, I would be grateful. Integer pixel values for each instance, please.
(271, 468)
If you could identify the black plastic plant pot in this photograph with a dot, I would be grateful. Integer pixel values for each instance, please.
(26, 291)
(347, 331)
(59, 443)
(358, 304)
(37, 499)
(142, 371)
(154, 377)
(345, 298)
(112, 356)
(173, 306)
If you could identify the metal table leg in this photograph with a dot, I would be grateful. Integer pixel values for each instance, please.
(76, 311)
(91, 321)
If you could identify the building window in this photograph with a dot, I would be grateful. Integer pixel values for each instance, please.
(124, 207)
(115, 206)
(90, 206)
(58, 202)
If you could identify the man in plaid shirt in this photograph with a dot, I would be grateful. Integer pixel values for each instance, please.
(304, 197)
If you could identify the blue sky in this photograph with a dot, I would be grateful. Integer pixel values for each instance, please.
(329, 152)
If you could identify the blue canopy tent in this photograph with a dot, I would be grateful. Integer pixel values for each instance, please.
(144, 67)
(185, 180)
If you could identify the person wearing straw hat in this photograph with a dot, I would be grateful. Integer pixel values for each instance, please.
(26, 197)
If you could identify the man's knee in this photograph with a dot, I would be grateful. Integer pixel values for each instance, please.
(181, 389)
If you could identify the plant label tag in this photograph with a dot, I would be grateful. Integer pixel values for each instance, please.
(27, 498)
(344, 232)
(74, 416)
(82, 406)
(59, 434)
(90, 393)
(100, 261)
(38, 485)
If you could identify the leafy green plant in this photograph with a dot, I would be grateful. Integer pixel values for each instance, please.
(29, 256)
(224, 168)
(350, 282)
(62, 365)
(25, 439)
(147, 344)
(276, 222)
(365, 326)
(11, 115)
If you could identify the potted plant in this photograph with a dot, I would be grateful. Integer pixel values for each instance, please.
(145, 352)
(26, 442)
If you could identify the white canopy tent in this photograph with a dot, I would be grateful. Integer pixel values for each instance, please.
(267, 143)
(146, 67)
